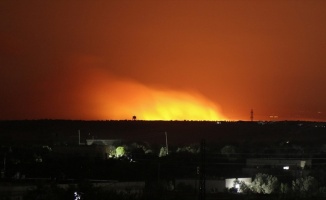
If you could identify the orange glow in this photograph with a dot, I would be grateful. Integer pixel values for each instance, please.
(151, 104)
(99, 95)
(105, 60)
(62, 60)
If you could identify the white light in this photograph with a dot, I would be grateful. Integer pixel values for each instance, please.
(286, 167)
(77, 196)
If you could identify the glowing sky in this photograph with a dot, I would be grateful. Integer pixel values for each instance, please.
(163, 59)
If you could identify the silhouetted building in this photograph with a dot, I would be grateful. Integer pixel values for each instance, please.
(103, 142)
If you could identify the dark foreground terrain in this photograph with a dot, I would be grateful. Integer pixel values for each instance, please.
(50, 159)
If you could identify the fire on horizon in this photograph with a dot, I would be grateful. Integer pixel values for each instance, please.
(165, 60)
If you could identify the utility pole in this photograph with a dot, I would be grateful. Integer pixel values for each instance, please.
(252, 115)
(78, 137)
(4, 162)
(202, 176)
(166, 143)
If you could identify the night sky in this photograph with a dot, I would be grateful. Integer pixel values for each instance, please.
(163, 59)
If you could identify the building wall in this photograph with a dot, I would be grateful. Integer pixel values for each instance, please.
(229, 182)
(212, 186)
(278, 162)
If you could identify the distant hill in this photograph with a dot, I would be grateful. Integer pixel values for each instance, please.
(179, 132)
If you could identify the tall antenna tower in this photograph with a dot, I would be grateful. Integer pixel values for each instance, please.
(252, 115)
